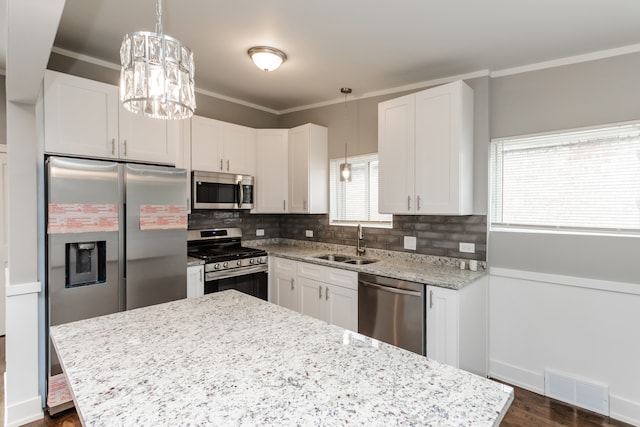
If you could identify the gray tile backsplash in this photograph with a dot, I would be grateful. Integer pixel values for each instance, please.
(436, 235)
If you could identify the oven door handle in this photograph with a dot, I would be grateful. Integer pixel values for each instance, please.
(210, 277)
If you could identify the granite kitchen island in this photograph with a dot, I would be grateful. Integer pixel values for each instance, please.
(231, 359)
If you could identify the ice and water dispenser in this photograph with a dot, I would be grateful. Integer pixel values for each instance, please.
(85, 263)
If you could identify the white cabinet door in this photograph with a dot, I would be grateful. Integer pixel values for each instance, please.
(145, 139)
(312, 298)
(283, 276)
(4, 237)
(308, 169)
(81, 116)
(442, 325)
(195, 281)
(444, 150)
(298, 170)
(342, 307)
(206, 144)
(238, 149)
(425, 145)
(396, 142)
(272, 171)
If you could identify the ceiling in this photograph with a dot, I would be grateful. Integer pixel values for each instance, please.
(371, 46)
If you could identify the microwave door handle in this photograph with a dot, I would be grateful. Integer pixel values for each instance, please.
(240, 194)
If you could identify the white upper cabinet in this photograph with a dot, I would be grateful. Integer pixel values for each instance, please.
(238, 149)
(218, 146)
(425, 144)
(80, 116)
(146, 139)
(84, 118)
(308, 169)
(206, 144)
(272, 180)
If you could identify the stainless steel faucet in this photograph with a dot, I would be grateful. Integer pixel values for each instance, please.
(360, 236)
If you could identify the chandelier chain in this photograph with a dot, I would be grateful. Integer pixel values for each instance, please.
(159, 17)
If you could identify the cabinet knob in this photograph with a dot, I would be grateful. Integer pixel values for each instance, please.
(113, 146)
(125, 148)
(320, 292)
(408, 203)
(221, 164)
(292, 283)
(227, 165)
(326, 294)
(430, 299)
(418, 202)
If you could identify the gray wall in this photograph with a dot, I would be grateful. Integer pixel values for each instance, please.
(578, 95)
(361, 130)
(206, 106)
(3, 111)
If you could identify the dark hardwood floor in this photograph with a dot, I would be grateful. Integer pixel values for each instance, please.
(527, 409)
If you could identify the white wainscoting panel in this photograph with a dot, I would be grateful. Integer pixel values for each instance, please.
(584, 328)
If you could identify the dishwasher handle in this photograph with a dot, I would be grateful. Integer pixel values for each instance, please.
(389, 288)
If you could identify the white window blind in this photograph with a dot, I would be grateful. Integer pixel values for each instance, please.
(579, 180)
(356, 201)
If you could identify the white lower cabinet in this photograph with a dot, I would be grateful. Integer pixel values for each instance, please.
(283, 288)
(457, 326)
(195, 281)
(326, 293)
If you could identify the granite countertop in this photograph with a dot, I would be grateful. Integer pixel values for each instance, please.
(230, 359)
(191, 261)
(436, 271)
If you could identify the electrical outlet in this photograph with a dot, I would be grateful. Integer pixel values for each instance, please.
(469, 248)
(308, 233)
(410, 243)
(260, 232)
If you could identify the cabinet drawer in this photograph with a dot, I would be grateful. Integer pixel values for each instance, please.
(311, 271)
(329, 275)
(283, 265)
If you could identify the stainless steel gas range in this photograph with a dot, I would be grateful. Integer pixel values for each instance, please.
(229, 265)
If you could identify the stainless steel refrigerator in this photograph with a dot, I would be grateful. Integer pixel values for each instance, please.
(116, 240)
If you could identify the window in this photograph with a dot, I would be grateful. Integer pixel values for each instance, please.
(586, 180)
(356, 201)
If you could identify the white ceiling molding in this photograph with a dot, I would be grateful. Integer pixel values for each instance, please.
(593, 56)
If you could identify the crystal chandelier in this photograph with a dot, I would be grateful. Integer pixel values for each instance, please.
(156, 79)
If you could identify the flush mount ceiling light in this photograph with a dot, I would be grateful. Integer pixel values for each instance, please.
(345, 168)
(156, 79)
(267, 58)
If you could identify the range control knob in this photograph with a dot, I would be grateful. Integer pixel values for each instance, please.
(216, 267)
(239, 263)
(252, 261)
(263, 260)
(225, 265)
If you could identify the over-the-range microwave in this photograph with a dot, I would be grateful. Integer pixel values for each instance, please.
(216, 190)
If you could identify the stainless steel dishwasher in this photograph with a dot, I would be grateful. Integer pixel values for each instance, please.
(392, 311)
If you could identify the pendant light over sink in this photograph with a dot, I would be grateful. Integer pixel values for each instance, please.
(345, 168)
(157, 75)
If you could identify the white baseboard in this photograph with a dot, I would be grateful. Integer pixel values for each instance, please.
(619, 408)
(23, 412)
(512, 374)
(624, 410)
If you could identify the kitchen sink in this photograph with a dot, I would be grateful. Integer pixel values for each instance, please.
(361, 261)
(346, 259)
(334, 257)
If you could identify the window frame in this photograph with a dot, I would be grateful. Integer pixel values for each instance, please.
(334, 204)
(495, 181)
